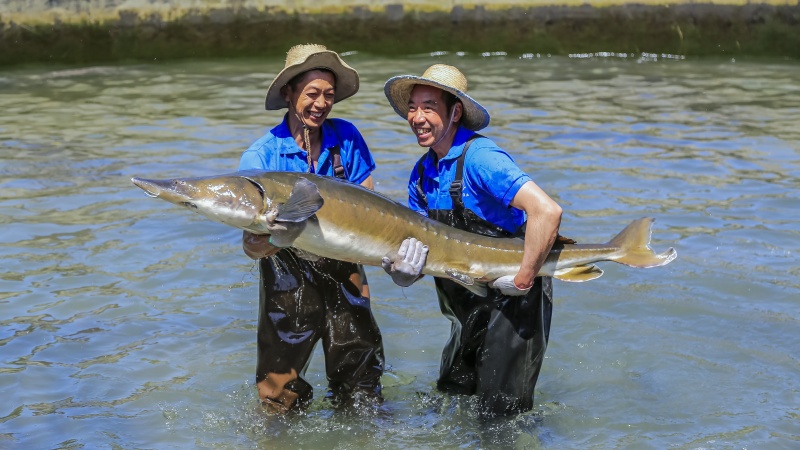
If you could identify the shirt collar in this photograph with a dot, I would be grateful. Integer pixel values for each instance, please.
(290, 146)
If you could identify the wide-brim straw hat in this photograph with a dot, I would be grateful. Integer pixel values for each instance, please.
(448, 78)
(302, 58)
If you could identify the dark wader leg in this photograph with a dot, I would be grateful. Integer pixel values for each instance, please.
(287, 329)
(352, 342)
(502, 365)
(520, 328)
(301, 302)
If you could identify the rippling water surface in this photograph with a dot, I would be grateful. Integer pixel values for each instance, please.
(129, 323)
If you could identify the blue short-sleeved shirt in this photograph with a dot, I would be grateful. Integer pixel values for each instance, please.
(491, 180)
(278, 151)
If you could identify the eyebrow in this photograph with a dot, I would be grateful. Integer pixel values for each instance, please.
(428, 102)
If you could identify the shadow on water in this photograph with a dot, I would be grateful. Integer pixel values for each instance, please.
(131, 323)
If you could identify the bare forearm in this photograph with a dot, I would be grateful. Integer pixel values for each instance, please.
(369, 183)
(540, 234)
(544, 219)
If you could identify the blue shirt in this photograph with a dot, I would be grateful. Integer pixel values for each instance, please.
(278, 151)
(491, 180)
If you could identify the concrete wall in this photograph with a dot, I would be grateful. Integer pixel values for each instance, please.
(82, 31)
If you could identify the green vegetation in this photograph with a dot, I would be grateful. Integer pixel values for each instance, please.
(686, 29)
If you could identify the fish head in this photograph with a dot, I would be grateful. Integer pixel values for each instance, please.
(230, 199)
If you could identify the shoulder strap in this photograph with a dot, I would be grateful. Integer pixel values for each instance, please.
(423, 200)
(338, 168)
(457, 186)
(336, 153)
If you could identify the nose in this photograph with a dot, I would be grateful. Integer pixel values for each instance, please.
(319, 102)
(417, 116)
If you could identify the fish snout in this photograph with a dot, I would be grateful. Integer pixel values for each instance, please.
(150, 187)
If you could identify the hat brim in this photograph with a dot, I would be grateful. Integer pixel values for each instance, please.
(398, 91)
(347, 82)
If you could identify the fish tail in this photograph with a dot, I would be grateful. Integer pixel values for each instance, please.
(634, 242)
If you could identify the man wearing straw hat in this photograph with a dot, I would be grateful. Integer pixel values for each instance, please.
(465, 180)
(302, 301)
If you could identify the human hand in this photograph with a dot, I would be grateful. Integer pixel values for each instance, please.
(257, 246)
(507, 286)
(407, 265)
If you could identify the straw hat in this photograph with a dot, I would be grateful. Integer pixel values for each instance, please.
(302, 58)
(448, 78)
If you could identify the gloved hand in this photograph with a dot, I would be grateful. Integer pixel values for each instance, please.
(406, 267)
(283, 234)
(507, 286)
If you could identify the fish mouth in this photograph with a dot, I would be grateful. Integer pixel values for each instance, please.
(166, 189)
(150, 187)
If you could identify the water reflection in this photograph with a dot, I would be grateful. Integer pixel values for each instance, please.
(121, 314)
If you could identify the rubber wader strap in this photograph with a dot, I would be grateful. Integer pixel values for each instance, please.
(423, 200)
(457, 184)
(338, 168)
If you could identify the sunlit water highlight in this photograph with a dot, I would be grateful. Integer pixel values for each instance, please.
(129, 323)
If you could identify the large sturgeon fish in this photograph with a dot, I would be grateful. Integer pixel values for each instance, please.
(350, 223)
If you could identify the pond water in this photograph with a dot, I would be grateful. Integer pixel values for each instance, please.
(130, 323)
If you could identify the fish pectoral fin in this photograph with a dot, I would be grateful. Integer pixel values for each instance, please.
(580, 273)
(304, 201)
(468, 282)
(460, 277)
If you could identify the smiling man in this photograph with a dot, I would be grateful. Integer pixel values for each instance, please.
(465, 180)
(302, 302)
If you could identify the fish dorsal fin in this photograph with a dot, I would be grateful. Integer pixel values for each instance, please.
(467, 281)
(303, 202)
(580, 273)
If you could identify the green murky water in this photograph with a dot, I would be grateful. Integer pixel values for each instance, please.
(128, 323)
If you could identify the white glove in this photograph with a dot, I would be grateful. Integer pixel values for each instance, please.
(507, 286)
(406, 267)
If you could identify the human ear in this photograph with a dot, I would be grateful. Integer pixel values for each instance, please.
(457, 110)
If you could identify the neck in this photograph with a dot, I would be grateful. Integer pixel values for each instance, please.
(443, 145)
(298, 128)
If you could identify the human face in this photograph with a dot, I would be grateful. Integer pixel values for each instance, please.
(312, 97)
(429, 119)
